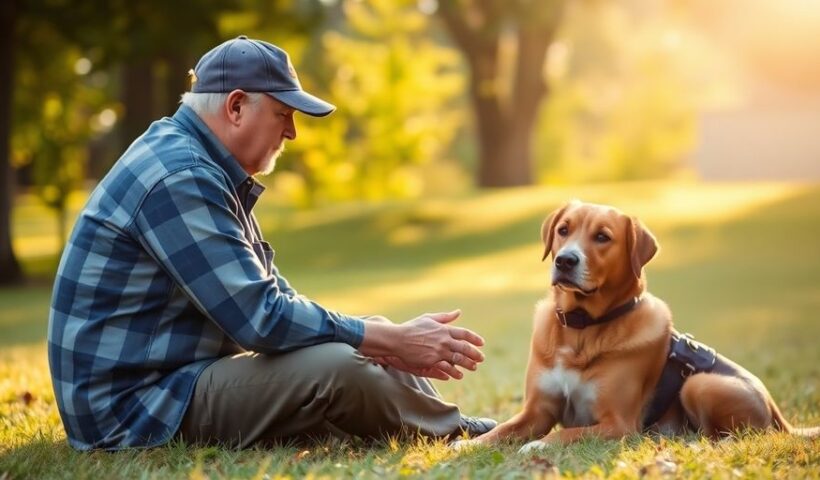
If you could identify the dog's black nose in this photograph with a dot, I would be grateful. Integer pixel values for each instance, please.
(566, 262)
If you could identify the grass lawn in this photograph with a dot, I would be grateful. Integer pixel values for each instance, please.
(739, 265)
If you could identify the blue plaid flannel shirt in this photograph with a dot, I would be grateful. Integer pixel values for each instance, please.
(165, 272)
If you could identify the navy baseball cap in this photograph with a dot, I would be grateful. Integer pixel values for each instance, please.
(254, 66)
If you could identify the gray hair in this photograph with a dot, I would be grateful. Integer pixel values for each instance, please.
(210, 103)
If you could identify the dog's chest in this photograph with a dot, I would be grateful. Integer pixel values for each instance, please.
(576, 396)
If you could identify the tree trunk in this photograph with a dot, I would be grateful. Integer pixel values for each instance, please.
(62, 224)
(138, 99)
(10, 271)
(505, 120)
(176, 81)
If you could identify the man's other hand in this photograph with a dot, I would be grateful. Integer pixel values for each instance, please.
(426, 345)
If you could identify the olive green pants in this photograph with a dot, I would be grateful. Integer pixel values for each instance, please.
(328, 389)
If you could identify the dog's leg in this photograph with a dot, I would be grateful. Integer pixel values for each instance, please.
(609, 430)
(522, 426)
(616, 417)
(718, 404)
(529, 423)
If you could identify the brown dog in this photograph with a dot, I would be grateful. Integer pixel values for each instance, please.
(605, 360)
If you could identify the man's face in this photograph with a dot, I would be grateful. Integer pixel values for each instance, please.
(262, 133)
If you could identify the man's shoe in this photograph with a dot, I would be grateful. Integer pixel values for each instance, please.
(472, 427)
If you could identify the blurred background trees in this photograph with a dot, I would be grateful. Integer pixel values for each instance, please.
(434, 96)
(506, 43)
(10, 271)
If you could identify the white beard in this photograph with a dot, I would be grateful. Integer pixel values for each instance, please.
(270, 164)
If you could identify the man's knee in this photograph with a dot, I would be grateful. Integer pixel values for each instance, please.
(347, 365)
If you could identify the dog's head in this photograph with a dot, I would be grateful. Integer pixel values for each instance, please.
(596, 248)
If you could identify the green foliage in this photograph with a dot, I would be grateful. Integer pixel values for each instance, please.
(57, 112)
(620, 106)
(64, 100)
(395, 88)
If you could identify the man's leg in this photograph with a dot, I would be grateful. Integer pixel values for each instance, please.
(422, 384)
(325, 389)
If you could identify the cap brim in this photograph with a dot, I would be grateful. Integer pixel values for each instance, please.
(304, 102)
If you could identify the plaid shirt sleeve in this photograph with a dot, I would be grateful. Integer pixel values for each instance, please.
(188, 223)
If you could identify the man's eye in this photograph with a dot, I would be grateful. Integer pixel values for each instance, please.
(563, 231)
(602, 238)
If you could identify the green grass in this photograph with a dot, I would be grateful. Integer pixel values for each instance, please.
(739, 265)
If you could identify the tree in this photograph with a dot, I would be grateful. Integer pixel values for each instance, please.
(393, 86)
(56, 105)
(505, 43)
(9, 267)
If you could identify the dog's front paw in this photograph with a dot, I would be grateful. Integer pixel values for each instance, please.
(532, 447)
(463, 445)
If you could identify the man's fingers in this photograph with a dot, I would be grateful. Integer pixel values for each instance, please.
(444, 317)
(467, 351)
(463, 334)
(436, 373)
(463, 361)
(449, 369)
(397, 363)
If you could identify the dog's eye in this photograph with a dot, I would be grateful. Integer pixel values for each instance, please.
(602, 237)
(563, 231)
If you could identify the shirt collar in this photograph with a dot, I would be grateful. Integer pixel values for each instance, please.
(220, 155)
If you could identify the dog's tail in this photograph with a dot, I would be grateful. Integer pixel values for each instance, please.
(781, 424)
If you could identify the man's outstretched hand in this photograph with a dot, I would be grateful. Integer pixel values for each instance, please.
(425, 346)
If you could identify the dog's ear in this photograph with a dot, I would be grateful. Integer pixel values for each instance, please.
(641, 244)
(548, 229)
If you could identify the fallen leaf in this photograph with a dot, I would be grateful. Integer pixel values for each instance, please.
(694, 446)
(661, 466)
(666, 467)
(541, 465)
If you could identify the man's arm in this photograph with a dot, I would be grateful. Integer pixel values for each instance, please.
(187, 223)
(284, 286)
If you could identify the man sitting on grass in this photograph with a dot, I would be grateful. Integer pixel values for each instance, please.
(169, 317)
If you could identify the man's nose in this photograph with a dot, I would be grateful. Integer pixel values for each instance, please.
(290, 129)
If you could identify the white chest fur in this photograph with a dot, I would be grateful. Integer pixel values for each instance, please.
(576, 396)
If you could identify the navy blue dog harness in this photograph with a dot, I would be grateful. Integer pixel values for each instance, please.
(686, 357)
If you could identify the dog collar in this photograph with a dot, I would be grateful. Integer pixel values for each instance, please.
(580, 319)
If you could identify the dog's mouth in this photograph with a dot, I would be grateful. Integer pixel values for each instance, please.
(570, 286)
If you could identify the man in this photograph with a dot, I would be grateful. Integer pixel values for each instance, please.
(169, 318)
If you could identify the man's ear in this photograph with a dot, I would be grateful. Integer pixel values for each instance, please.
(548, 229)
(641, 245)
(233, 105)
